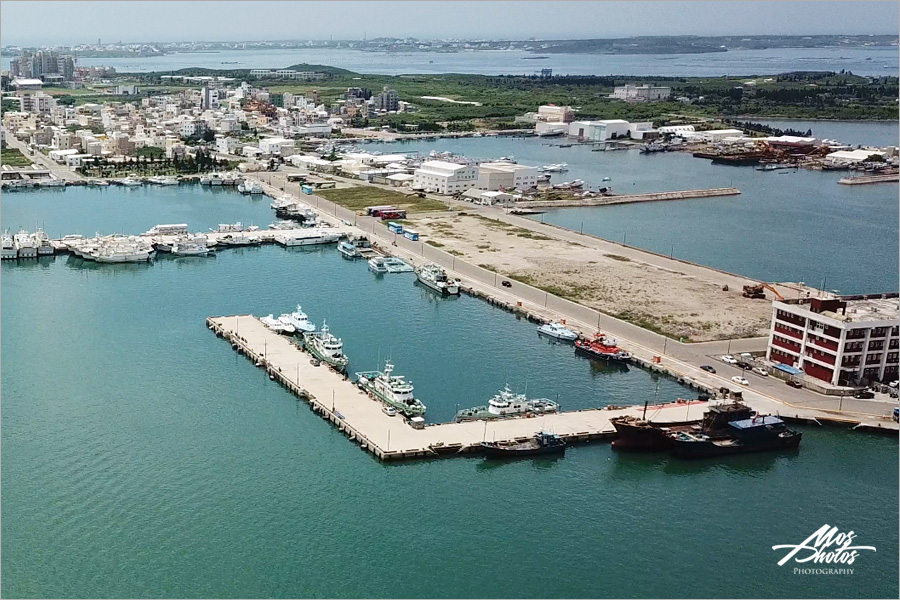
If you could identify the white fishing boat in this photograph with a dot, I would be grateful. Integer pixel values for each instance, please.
(42, 241)
(52, 183)
(377, 266)
(238, 239)
(25, 245)
(392, 390)
(558, 331)
(276, 325)
(555, 168)
(250, 187)
(191, 248)
(300, 321)
(326, 347)
(8, 247)
(348, 250)
(131, 181)
(228, 227)
(122, 253)
(435, 278)
(505, 405)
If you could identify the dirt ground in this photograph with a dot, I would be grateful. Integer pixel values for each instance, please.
(655, 297)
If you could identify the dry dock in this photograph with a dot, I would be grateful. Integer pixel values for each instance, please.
(338, 400)
(631, 198)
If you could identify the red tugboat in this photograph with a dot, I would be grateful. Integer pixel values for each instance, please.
(603, 348)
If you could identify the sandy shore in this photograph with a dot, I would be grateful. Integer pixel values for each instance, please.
(668, 299)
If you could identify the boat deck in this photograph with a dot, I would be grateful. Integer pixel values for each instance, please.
(337, 399)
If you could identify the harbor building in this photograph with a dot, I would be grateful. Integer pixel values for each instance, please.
(495, 176)
(846, 340)
(444, 177)
(641, 93)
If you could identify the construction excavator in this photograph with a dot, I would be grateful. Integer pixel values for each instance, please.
(756, 291)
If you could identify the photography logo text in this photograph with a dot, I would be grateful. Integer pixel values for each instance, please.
(827, 545)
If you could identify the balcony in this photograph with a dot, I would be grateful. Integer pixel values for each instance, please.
(786, 345)
(785, 330)
(823, 343)
(821, 357)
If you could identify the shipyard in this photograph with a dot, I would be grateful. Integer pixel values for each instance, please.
(630, 294)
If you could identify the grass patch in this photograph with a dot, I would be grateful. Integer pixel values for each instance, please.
(434, 243)
(483, 246)
(617, 257)
(14, 158)
(455, 252)
(533, 236)
(358, 198)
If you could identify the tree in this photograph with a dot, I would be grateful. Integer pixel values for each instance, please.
(209, 136)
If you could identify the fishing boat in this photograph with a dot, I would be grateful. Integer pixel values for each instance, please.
(327, 348)
(300, 321)
(603, 348)
(555, 168)
(8, 249)
(307, 238)
(542, 443)
(175, 229)
(131, 181)
(122, 253)
(238, 239)
(348, 250)
(392, 390)
(506, 404)
(435, 278)
(641, 434)
(276, 325)
(52, 183)
(250, 187)
(42, 241)
(377, 266)
(25, 245)
(558, 331)
(757, 434)
(191, 248)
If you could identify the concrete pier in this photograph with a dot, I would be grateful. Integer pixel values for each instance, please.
(631, 198)
(866, 179)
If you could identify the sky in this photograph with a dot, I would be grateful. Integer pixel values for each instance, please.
(74, 22)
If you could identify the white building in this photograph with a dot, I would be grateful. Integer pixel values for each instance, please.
(277, 146)
(675, 129)
(843, 341)
(444, 177)
(508, 176)
(849, 157)
(599, 131)
(554, 114)
(641, 93)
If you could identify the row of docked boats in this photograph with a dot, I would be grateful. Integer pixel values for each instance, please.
(110, 248)
(217, 179)
(16, 185)
(25, 245)
(728, 428)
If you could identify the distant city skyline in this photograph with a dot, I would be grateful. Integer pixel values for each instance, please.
(30, 23)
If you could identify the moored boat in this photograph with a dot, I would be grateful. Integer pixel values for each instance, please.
(348, 250)
(299, 320)
(435, 278)
(392, 390)
(377, 266)
(277, 325)
(758, 434)
(603, 348)
(8, 247)
(638, 433)
(542, 443)
(326, 347)
(557, 331)
(505, 404)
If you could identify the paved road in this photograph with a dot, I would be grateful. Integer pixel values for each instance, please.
(42, 161)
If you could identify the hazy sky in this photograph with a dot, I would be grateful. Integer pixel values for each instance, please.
(72, 22)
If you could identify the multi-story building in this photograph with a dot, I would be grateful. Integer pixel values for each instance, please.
(386, 100)
(444, 177)
(507, 176)
(209, 98)
(841, 340)
(641, 93)
(551, 113)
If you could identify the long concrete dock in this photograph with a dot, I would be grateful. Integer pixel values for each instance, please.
(338, 400)
(866, 179)
(631, 198)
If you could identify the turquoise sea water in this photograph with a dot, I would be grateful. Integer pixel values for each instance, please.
(143, 457)
(784, 226)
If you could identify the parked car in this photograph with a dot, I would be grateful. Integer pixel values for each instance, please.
(729, 359)
(760, 371)
(744, 365)
(893, 384)
(707, 368)
(864, 395)
(506, 284)
(794, 383)
(389, 411)
(740, 380)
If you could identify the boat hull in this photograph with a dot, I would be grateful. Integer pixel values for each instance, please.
(604, 356)
(710, 449)
(433, 286)
(337, 363)
(646, 438)
(499, 451)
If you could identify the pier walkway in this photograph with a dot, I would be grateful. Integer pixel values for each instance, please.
(865, 179)
(630, 198)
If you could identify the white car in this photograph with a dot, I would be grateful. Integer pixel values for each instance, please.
(740, 380)
(893, 384)
(760, 371)
(389, 411)
(729, 359)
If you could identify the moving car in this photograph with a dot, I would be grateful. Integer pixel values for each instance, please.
(740, 380)
(760, 371)
(729, 359)
(864, 395)
(506, 284)
(794, 383)
(708, 368)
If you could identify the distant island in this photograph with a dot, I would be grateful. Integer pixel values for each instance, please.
(685, 44)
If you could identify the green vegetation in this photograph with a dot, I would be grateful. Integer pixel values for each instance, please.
(149, 165)
(435, 244)
(9, 104)
(14, 158)
(617, 257)
(359, 197)
(152, 152)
